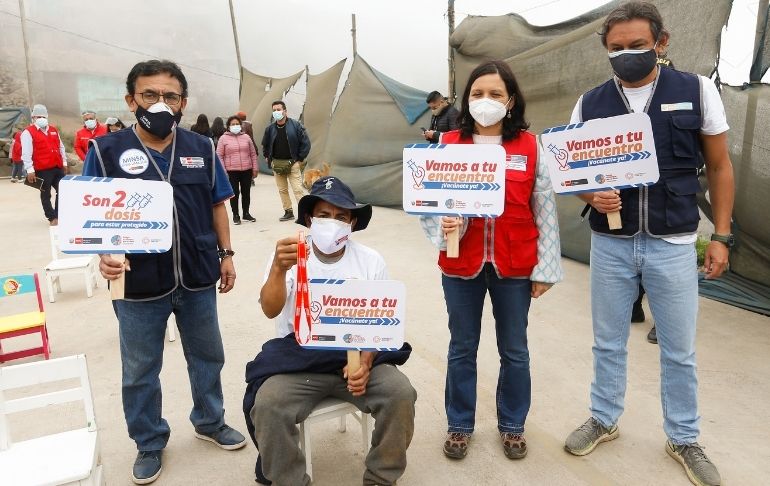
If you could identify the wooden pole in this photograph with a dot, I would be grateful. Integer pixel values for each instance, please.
(23, 15)
(354, 361)
(118, 286)
(453, 243)
(451, 94)
(237, 48)
(613, 220)
(353, 33)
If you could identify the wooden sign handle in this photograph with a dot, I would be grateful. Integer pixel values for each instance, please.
(354, 361)
(613, 219)
(118, 286)
(453, 243)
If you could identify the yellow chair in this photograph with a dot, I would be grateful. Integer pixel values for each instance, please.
(24, 323)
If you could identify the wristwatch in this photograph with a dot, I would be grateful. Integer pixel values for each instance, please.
(727, 240)
(224, 253)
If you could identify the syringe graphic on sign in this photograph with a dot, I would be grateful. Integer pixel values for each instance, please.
(418, 173)
(560, 155)
(139, 200)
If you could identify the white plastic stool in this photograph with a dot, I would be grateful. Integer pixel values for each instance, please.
(331, 408)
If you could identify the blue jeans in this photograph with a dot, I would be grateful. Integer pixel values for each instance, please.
(668, 273)
(17, 171)
(510, 305)
(142, 337)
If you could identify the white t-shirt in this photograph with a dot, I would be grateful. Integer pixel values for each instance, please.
(713, 115)
(358, 262)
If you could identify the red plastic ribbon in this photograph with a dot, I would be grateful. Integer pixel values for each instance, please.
(302, 291)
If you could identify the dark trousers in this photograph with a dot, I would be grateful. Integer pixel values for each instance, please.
(51, 178)
(241, 182)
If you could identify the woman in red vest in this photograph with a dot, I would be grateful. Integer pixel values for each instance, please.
(513, 257)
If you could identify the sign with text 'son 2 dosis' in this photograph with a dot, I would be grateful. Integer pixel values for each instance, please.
(600, 154)
(456, 179)
(367, 315)
(110, 215)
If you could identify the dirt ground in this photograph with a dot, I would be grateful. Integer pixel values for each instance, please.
(733, 358)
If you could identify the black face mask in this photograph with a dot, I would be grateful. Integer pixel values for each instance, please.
(633, 66)
(159, 124)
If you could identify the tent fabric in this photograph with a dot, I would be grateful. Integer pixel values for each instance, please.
(365, 146)
(410, 101)
(316, 115)
(748, 113)
(738, 291)
(10, 117)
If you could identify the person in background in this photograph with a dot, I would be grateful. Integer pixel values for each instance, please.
(17, 165)
(114, 124)
(443, 119)
(201, 126)
(236, 150)
(656, 245)
(285, 145)
(44, 157)
(218, 129)
(182, 280)
(91, 129)
(248, 129)
(513, 257)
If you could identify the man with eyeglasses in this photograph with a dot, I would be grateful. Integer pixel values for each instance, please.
(181, 280)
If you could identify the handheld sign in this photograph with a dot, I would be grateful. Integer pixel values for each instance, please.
(360, 315)
(601, 154)
(116, 216)
(454, 180)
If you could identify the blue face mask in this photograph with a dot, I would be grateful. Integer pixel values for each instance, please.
(633, 65)
(90, 124)
(278, 115)
(235, 129)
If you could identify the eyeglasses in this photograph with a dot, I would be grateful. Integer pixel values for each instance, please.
(152, 97)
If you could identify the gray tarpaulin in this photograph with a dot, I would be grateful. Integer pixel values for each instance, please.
(321, 89)
(367, 135)
(10, 117)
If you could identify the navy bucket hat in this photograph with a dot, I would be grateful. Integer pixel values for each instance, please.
(337, 193)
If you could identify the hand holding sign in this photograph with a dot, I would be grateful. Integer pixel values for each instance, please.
(602, 154)
(114, 216)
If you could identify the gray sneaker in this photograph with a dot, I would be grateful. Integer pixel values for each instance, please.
(585, 438)
(698, 467)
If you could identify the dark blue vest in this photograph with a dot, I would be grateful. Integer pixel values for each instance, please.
(192, 260)
(668, 207)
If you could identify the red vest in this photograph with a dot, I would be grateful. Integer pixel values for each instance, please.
(46, 152)
(16, 149)
(509, 241)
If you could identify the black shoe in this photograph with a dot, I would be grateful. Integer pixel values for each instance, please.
(637, 315)
(147, 467)
(250, 218)
(225, 437)
(288, 215)
(236, 220)
(652, 336)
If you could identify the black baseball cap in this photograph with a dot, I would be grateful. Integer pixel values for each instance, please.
(337, 193)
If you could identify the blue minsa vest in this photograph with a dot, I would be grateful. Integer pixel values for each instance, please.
(668, 207)
(192, 260)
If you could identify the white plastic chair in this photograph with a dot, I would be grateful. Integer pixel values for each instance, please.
(70, 457)
(85, 265)
(331, 408)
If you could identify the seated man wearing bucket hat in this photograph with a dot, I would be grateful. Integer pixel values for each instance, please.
(286, 381)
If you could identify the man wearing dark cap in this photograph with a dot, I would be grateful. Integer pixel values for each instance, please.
(286, 381)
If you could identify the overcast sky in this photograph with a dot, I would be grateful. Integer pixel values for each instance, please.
(407, 39)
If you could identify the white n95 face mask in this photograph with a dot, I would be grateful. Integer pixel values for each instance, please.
(487, 111)
(329, 235)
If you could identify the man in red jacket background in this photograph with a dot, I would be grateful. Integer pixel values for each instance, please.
(91, 129)
(42, 152)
